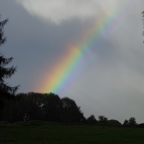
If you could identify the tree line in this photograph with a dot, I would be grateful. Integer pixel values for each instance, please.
(38, 106)
(50, 107)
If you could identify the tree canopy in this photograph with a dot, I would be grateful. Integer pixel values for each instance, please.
(4, 71)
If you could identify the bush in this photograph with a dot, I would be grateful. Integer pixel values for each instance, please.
(113, 123)
(140, 125)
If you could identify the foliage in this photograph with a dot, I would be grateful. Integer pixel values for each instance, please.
(5, 72)
(23, 104)
(126, 123)
(91, 119)
(130, 122)
(46, 107)
(6, 91)
(70, 111)
(140, 125)
(102, 119)
(51, 107)
(113, 123)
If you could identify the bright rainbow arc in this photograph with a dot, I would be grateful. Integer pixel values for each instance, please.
(68, 68)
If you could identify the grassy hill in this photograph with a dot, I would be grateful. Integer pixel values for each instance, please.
(38, 132)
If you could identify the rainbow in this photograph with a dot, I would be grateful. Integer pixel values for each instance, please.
(69, 67)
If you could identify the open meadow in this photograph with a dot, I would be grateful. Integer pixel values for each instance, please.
(38, 132)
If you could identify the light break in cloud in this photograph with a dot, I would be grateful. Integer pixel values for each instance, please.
(59, 10)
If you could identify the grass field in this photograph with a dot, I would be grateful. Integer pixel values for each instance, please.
(37, 132)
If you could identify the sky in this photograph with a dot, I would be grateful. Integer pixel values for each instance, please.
(91, 51)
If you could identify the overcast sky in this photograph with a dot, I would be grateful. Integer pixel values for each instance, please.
(111, 82)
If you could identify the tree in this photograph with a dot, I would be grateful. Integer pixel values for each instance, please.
(126, 123)
(24, 107)
(51, 107)
(70, 111)
(132, 121)
(113, 122)
(6, 91)
(102, 119)
(4, 71)
(92, 119)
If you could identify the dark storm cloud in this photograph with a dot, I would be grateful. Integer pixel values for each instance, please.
(34, 44)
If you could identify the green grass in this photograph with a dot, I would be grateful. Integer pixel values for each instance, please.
(37, 132)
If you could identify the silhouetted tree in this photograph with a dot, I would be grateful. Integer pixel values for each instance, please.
(92, 119)
(9, 110)
(51, 107)
(23, 105)
(113, 122)
(48, 107)
(26, 106)
(102, 119)
(132, 121)
(126, 123)
(6, 91)
(70, 111)
(5, 72)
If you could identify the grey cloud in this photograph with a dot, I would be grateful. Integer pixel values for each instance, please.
(58, 11)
